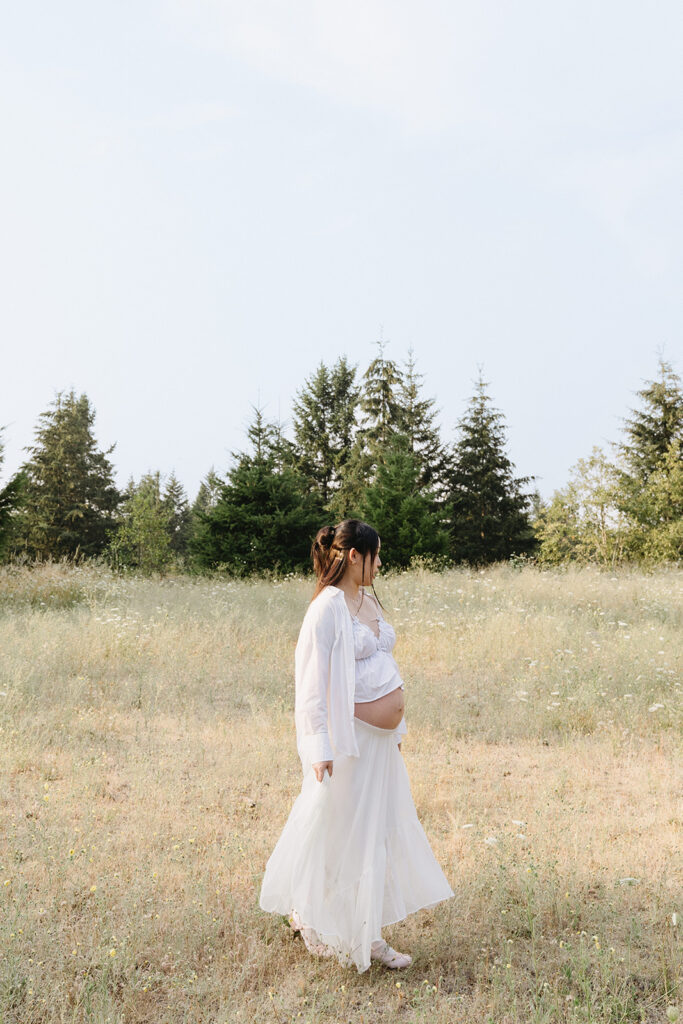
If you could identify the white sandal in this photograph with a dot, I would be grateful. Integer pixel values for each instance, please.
(383, 952)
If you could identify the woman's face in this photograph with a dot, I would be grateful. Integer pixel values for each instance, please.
(365, 569)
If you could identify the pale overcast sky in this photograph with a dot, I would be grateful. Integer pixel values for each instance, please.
(202, 198)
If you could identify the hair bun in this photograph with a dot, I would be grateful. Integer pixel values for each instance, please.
(327, 536)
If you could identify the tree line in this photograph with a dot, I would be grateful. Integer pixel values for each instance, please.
(365, 447)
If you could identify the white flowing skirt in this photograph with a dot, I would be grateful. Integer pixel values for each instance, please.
(353, 855)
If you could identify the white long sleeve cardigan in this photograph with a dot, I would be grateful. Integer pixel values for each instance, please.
(325, 678)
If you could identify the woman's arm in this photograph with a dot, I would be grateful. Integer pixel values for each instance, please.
(312, 676)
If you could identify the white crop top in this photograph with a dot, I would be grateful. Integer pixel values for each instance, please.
(376, 671)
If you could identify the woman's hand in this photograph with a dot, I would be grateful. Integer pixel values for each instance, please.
(319, 769)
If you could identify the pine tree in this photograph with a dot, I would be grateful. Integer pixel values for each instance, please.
(380, 417)
(265, 518)
(177, 506)
(645, 459)
(380, 401)
(417, 418)
(11, 496)
(324, 425)
(404, 516)
(71, 495)
(208, 493)
(488, 511)
(662, 498)
(651, 430)
(343, 419)
(312, 413)
(654, 510)
(150, 485)
(207, 498)
(264, 436)
(285, 452)
(359, 468)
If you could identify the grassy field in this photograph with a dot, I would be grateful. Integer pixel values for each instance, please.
(148, 764)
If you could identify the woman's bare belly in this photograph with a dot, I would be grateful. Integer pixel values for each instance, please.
(386, 712)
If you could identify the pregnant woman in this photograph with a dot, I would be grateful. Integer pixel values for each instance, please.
(353, 856)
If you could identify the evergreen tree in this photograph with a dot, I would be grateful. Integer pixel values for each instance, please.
(380, 414)
(10, 501)
(359, 468)
(285, 452)
(380, 401)
(343, 419)
(264, 437)
(265, 518)
(650, 430)
(207, 498)
(648, 455)
(71, 497)
(488, 511)
(312, 413)
(402, 514)
(208, 493)
(654, 510)
(149, 485)
(417, 418)
(269, 443)
(663, 493)
(175, 503)
(144, 529)
(628, 510)
(324, 425)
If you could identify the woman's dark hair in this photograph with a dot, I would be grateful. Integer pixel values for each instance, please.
(330, 551)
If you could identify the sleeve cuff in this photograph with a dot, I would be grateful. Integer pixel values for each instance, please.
(316, 747)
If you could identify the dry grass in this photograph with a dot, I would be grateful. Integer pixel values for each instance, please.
(148, 765)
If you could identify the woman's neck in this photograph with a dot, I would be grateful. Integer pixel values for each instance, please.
(352, 591)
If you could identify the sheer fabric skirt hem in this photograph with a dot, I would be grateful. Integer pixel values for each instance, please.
(353, 856)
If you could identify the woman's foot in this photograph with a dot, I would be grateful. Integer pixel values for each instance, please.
(383, 952)
(294, 922)
(310, 937)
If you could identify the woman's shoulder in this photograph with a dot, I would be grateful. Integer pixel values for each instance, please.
(324, 607)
